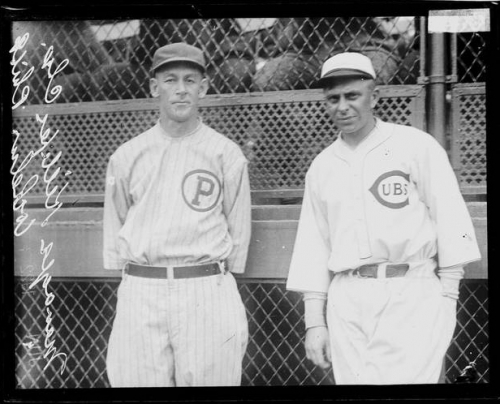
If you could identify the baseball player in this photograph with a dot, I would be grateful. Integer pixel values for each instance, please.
(177, 223)
(383, 236)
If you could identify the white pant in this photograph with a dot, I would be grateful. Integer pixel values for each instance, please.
(183, 332)
(389, 331)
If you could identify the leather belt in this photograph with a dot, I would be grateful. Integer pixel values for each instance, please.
(376, 270)
(193, 271)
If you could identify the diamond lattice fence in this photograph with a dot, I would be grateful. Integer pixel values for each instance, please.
(82, 314)
(280, 139)
(110, 60)
(470, 131)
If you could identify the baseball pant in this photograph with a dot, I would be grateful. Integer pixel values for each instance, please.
(389, 330)
(183, 332)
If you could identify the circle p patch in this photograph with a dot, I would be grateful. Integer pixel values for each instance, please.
(201, 190)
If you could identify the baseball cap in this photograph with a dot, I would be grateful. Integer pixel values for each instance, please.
(178, 52)
(347, 64)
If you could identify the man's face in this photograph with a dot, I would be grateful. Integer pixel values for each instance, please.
(350, 102)
(179, 87)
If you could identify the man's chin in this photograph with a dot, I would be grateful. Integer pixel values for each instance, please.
(347, 129)
(183, 117)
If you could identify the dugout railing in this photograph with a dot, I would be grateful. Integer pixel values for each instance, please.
(280, 132)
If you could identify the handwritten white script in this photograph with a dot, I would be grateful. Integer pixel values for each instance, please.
(21, 188)
(17, 171)
(48, 60)
(19, 44)
(49, 298)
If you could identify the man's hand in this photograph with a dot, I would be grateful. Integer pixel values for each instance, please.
(318, 346)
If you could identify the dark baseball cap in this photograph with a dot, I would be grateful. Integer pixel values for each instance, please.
(178, 52)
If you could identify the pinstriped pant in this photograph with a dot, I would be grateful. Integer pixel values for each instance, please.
(183, 332)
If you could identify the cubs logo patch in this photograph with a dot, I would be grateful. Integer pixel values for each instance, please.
(391, 189)
(201, 190)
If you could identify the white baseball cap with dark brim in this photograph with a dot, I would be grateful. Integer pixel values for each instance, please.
(178, 52)
(347, 64)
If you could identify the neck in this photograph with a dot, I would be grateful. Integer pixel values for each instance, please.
(179, 129)
(355, 138)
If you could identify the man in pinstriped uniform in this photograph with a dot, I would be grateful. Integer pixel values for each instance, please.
(177, 223)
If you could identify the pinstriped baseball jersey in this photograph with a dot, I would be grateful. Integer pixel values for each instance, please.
(395, 198)
(177, 201)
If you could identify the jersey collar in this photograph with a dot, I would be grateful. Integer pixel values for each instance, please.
(379, 134)
(193, 136)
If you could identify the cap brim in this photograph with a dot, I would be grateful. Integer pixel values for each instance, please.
(331, 76)
(179, 60)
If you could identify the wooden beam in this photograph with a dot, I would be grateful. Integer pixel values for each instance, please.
(76, 237)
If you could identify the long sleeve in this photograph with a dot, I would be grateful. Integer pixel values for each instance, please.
(116, 205)
(438, 187)
(237, 209)
(309, 266)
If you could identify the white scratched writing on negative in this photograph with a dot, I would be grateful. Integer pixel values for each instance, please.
(17, 81)
(49, 298)
(21, 186)
(19, 193)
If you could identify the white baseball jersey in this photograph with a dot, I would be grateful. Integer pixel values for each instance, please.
(395, 198)
(392, 199)
(177, 202)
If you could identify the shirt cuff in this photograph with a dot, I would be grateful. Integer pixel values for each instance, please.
(450, 280)
(314, 309)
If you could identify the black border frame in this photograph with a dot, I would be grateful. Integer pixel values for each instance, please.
(23, 10)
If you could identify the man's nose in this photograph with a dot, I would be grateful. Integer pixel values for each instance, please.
(181, 87)
(343, 105)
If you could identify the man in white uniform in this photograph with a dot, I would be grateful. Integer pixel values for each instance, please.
(383, 236)
(177, 223)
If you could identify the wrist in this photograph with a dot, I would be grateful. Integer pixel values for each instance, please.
(450, 281)
(316, 326)
(314, 312)
(450, 287)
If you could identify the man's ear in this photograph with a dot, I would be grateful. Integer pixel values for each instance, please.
(375, 97)
(203, 87)
(153, 87)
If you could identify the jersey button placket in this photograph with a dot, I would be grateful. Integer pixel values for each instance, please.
(361, 230)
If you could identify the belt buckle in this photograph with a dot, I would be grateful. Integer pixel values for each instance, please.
(170, 273)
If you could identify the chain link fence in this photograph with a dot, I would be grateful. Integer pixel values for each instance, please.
(470, 60)
(84, 310)
(110, 60)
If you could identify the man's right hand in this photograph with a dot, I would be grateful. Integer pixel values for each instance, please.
(318, 346)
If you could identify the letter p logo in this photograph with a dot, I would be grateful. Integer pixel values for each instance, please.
(201, 190)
